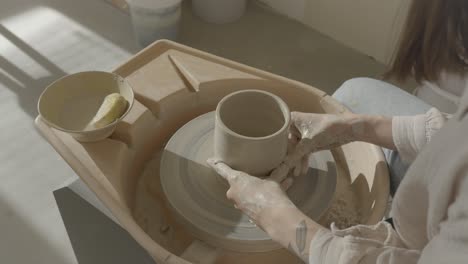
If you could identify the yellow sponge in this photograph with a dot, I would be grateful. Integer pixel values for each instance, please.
(112, 108)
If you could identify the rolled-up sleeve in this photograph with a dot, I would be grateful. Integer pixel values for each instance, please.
(360, 244)
(412, 133)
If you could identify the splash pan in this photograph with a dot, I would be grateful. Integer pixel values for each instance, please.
(170, 202)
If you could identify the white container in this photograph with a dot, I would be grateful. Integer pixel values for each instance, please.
(155, 19)
(219, 11)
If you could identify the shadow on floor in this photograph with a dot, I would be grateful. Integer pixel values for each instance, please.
(100, 17)
(95, 237)
(30, 89)
(21, 243)
(96, 15)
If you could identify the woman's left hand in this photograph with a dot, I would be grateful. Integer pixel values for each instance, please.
(256, 197)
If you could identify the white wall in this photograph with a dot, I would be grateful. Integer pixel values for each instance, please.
(370, 26)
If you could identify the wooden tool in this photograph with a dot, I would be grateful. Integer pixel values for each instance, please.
(191, 81)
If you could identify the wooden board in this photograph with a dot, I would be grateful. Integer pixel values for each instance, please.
(114, 168)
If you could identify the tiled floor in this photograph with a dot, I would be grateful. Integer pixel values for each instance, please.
(43, 40)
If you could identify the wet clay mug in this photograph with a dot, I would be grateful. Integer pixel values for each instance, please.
(251, 131)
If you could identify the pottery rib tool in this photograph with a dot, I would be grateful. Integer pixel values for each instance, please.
(192, 83)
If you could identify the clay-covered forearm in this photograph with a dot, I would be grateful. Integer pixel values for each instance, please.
(293, 230)
(372, 129)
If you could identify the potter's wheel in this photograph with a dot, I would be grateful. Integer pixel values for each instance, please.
(198, 195)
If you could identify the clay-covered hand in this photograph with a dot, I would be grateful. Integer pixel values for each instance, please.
(311, 132)
(254, 196)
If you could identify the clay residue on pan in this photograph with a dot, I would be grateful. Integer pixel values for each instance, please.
(343, 211)
(151, 213)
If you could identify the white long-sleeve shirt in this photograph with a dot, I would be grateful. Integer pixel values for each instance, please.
(445, 93)
(430, 208)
